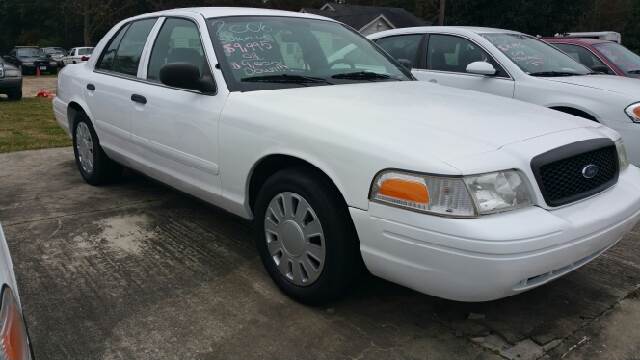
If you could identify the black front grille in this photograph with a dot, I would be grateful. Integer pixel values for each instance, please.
(567, 174)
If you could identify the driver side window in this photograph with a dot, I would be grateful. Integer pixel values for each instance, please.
(453, 54)
(178, 42)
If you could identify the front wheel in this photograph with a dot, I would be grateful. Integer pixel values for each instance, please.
(94, 165)
(305, 236)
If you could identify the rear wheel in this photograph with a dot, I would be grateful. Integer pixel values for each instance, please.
(305, 236)
(95, 166)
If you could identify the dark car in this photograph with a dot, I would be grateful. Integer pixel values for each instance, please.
(56, 54)
(31, 59)
(603, 56)
(10, 80)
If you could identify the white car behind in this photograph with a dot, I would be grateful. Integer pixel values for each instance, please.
(78, 55)
(343, 158)
(515, 65)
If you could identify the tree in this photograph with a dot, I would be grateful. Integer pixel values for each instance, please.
(96, 15)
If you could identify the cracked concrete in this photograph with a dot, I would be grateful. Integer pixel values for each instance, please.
(137, 270)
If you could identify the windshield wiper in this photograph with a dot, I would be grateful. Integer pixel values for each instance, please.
(362, 75)
(637, 71)
(287, 79)
(554, 73)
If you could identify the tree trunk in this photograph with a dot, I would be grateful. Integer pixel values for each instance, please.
(442, 11)
(86, 32)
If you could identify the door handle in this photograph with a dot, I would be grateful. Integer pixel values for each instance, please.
(139, 99)
(433, 81)
(91, 87)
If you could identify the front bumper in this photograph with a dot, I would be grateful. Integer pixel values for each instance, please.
(497, 255)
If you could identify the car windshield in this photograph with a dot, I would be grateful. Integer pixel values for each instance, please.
(267, 52)
(536, 57)
(85, 51)
(51, 51)
(29, 52)
(624, 58)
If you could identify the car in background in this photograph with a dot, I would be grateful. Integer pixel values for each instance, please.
(78, 55)
(14, 337)
(345, 160)
(516, 65)
(56, 54)
(603, 56)
(31, 59)
(10, 80)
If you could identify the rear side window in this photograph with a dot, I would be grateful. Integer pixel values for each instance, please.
(404, 47)
(178, 42)
(124, 52)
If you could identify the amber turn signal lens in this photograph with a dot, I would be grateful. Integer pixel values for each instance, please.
(405, 190)
(636, 112)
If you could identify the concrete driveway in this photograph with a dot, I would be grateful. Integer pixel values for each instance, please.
(137, 270)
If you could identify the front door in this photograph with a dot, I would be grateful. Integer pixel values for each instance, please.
(175, 131)
(446, 64)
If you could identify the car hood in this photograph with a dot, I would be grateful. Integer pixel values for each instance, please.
(404, 117)
(616, 84)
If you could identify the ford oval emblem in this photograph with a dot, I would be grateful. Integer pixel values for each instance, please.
(590, 171)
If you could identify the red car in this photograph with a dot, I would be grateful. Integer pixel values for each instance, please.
(603, 56)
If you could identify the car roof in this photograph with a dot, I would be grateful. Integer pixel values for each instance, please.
(445, 29)
(212, 12)
(577, 40)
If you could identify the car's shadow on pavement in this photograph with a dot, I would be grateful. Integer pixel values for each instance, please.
(139, 270)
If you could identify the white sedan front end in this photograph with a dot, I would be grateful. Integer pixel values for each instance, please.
(498, 255)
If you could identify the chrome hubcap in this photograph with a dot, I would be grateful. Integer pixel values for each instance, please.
(84, 146)
(295, 238)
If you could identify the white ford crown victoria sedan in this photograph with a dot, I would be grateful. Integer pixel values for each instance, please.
(344, 161)
(519, 66)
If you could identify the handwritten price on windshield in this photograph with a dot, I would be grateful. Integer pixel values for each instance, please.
(231, 48)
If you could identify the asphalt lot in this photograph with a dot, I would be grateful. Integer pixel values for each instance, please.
(137, 270)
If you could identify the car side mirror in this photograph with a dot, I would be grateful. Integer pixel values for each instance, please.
(481, 68)
(406, 63)
(186, 76)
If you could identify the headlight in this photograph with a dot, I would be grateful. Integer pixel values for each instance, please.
(468, 196)
(499, 191)
(633, 112)
(14, 343)
(622, 155)
(1, 71)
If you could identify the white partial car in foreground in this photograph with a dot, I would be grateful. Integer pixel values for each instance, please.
(340, 159)
(519, 66)
(14, 339)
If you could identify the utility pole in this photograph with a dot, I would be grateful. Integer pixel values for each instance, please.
(443, 4)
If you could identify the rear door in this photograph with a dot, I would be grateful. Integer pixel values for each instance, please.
(447, 57)
(175, 130)
(108, 89)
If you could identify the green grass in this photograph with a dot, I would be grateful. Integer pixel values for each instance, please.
(29, 124)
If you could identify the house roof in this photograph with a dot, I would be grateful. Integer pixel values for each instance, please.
(357, 16)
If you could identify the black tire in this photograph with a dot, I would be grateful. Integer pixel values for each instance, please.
(104, 170)
(15, 95)
(343, 262)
